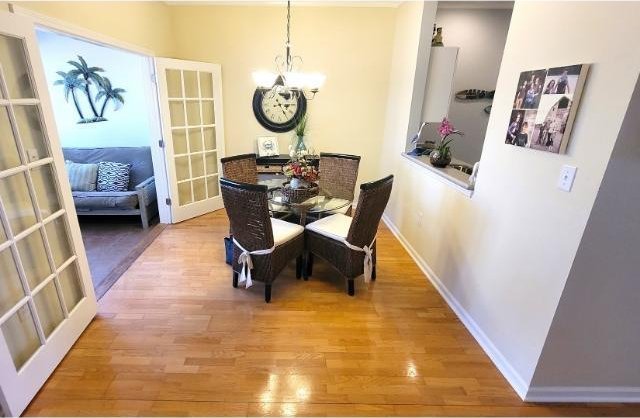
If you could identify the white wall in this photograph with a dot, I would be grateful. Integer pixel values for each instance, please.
(594, 340)
(128, 126)
(502, 257)
(480, 34)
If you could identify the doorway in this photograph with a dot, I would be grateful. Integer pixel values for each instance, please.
(107, 122)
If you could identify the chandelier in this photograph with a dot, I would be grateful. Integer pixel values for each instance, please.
(288, 80)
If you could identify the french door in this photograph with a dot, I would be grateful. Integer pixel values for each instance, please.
(190, 95)
(46, 295)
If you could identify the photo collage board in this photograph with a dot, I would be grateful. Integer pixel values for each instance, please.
(544, 107)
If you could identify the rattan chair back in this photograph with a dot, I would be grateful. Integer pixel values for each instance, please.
(371, 203)
(240, 168)
(248, 212)
(338, 174)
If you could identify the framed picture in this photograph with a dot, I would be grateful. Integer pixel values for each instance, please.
(268, 146)
(545, 106)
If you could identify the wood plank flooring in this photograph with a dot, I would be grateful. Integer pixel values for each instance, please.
(173, 337)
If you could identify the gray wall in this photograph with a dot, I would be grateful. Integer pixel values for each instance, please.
(481, 35)
(594, 338)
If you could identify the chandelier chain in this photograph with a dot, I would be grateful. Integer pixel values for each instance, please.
(289, 35)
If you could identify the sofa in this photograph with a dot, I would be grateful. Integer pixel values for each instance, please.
(140, 198)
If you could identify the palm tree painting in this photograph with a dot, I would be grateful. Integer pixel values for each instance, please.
(86, 78)
(70, 83)
(109, 93)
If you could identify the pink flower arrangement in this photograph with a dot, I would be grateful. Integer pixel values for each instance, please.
(445, 129)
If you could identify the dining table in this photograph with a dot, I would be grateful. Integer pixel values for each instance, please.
(318, 206)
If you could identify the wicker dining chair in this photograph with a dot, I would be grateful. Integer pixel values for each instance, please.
(254, 231)
(240, 168)
(338, 175)
(345, 242)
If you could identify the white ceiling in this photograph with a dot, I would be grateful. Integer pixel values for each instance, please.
(280, 3)
(447, 4)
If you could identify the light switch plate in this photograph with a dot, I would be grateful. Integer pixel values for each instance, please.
(567, 175)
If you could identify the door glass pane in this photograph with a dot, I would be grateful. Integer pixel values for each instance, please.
(46, 190)
(11, 290)
(193, 112)
(59, 241)
(174, 83)
(34, 258)
(71, 286)
(20, 334)
(184, 193)
(15, 68)
(17, 202)
(199, 191)
(206, 85)
(179, 141)
(208, 117)
(195, 140)
(3, 235)
(212, 186)
(31, 132)
(211, 159)
(209, 138)
(48, 308)
(190, 84)
(9, 156)
(197, 165)
(176, 109)
(182, 168)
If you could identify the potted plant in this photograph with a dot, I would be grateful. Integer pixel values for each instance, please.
(441, 156)
(301, 130)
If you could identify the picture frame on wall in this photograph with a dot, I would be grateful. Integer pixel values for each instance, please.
(268, 146)
(545, 106)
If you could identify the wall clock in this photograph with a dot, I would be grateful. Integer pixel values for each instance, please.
(279, 112)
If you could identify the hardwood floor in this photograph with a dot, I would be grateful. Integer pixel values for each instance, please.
(173, 337)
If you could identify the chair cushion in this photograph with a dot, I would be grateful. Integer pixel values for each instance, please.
(284, 231)
(85, 201)
(334, 226)
(342, 210)
(82, 177)
(113, 177)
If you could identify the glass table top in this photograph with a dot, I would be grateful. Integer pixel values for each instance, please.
(318, 204)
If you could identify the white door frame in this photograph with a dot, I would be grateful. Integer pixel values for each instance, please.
(157, 152)
(24, 384)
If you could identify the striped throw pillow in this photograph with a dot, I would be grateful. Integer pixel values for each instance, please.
(82, 176)
(113, 177)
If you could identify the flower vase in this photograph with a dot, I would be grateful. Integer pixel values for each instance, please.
(297, 183)
(439, 158)
(299, 144)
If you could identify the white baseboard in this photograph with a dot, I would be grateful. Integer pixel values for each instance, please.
(514, 379)
(607, 394)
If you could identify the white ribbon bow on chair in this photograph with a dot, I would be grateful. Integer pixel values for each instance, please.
(247, 263)
(368, 257)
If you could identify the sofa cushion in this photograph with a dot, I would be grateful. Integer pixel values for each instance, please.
(82, 177)
(85, 201)
(113, 177)
(138, 157)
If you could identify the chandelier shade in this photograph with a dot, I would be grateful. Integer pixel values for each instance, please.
(288, 78)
